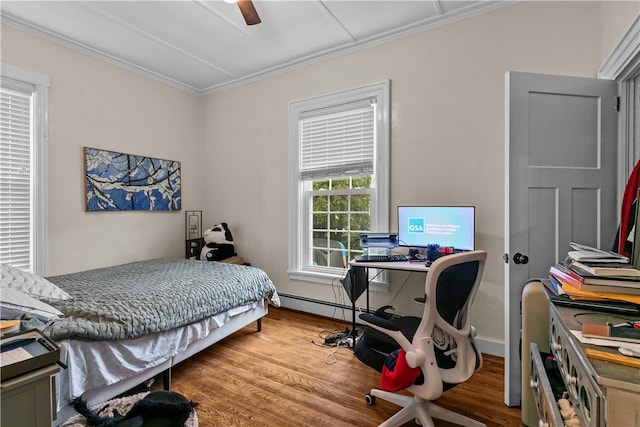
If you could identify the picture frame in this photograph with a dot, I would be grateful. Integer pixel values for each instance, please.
(117, 181)
(193, 225)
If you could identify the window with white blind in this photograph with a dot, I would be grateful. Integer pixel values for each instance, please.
(339, 147)
(23, 209)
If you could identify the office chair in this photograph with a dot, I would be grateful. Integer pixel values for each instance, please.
(443, 340)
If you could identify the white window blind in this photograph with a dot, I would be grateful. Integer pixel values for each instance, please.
(338, 142)
(15, 177)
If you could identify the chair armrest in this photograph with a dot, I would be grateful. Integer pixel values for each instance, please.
(388, 328)
(379, 322)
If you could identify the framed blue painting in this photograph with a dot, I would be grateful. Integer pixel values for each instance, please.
(127, 182)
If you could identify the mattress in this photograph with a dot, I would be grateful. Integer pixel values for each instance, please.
(146, 297)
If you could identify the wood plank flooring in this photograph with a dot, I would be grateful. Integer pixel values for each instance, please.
(282, 376)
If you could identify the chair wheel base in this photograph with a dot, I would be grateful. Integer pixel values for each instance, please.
(419, 410)
(370, 399)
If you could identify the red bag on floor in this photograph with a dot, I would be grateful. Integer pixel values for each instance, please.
(396, 373)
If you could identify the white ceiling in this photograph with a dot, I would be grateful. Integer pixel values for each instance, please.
(206, 47)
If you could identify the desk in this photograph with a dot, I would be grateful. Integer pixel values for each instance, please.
(396, 265)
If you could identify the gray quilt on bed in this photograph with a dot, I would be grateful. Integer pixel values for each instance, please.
(131, 300)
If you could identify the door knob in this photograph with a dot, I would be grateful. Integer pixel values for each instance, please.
(518, 258)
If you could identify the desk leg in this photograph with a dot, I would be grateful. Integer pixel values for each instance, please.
(354, 329)
(354, 332)
(367, 291)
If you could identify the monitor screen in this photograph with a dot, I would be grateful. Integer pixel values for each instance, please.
(445, 226)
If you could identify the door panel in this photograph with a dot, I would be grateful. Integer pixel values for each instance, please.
(543, 218)
(557, 126)
(560, 184)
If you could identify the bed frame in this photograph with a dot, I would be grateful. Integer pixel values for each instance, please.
(235, 323)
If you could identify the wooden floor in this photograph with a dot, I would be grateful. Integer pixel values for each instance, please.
(282, 376)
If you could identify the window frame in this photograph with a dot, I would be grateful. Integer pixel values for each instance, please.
(23, 80)
(298, 268)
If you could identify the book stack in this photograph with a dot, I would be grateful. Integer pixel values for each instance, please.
(591, 274)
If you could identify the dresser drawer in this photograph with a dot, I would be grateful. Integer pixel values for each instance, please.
(584, 393)
(548, 412)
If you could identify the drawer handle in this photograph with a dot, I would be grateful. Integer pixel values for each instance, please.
(542, 424)
(533, 384)
(570, 380)
(556, 346)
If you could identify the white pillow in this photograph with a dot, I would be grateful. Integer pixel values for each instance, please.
(30, 284)
(13, 304)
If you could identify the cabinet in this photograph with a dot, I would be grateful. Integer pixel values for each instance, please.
(29, 399)
(602, 393)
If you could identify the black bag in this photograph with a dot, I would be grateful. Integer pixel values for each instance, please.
(161, 408)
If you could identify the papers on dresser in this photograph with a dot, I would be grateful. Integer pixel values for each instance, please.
(14, 356)
(585, 253)
(580, 287)
(606, 269)
(577, 275)
(606, 342)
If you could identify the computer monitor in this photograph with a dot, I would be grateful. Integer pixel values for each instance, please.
(445, 226)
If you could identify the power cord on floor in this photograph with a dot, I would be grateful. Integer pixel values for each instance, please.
(330, 358)
(338, 339)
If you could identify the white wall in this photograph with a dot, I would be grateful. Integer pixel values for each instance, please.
(98, 105)
(447, 143)
(616, 19)
(447, 137)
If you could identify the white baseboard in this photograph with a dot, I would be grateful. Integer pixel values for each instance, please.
(339, 312)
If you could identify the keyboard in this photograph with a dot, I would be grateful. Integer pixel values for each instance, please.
(381, 258)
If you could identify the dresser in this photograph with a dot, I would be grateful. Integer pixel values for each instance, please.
(601, 393)
(29, 399)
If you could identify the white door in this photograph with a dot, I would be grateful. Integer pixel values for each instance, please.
(561, 152)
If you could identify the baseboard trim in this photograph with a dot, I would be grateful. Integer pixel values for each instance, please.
(343, 312)
(315, 306)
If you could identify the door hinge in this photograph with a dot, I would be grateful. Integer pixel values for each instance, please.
(618, 104)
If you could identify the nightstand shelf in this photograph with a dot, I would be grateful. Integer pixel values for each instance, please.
(193, 248)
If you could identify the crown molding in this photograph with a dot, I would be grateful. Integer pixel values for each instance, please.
(625, 57)
(20, 24)
(416, 28)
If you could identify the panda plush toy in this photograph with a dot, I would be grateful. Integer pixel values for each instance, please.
(218, 243)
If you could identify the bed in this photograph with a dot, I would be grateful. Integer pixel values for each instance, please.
(121, 326)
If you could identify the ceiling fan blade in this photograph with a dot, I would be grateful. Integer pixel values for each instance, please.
(248, 12)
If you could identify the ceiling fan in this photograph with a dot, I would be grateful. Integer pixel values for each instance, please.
(248, 11)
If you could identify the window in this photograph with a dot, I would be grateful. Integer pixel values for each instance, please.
(23, 172)
(339, 146)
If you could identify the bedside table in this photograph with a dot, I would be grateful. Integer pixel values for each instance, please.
(29, 399)
(233, 260)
